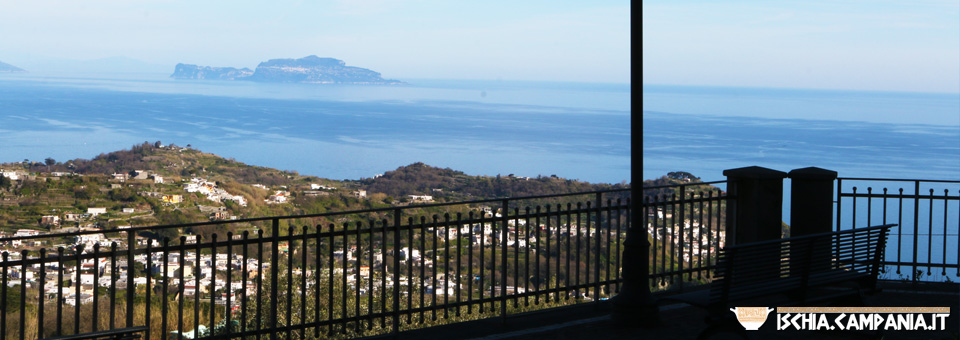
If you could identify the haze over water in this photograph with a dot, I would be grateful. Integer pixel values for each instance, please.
(573, 130)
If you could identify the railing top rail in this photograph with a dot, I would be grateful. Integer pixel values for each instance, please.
(271, 218)
(897, 180)
(804, 237)
(680, 185)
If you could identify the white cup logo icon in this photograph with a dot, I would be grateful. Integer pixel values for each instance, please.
(752, 317)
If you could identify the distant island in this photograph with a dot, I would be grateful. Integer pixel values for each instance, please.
(310, 69)
(7, 68)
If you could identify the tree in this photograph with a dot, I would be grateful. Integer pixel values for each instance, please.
(49, 161)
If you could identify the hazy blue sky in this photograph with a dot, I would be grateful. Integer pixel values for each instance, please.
(510, 40)
(891, 45)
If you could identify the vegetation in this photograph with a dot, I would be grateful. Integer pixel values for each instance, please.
(53, 188)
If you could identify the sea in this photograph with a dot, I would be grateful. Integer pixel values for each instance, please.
(571, 130)
(485, 127)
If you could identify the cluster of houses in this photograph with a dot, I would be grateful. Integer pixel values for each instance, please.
(212, 192)
(198, 273)
(697, 241)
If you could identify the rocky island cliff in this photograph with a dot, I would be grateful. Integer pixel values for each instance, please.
(7, 68)
(310, 69)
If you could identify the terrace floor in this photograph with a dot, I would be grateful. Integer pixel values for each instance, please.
(685, 322)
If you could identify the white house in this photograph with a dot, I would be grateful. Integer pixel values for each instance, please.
(96, 211)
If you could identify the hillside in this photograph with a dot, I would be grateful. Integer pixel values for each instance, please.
(152, 184)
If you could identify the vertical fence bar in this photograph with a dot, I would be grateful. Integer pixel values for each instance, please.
(213, 280)
(41, 295)
(76, 309)
(303, 281)
(569, 238)
(423, 266)
(148, 301)
(916, 227)
(599, 238)
(516, 254)
(166, 277)
(356, 275)
(316, 280)
(580, 239)
(395, 327)
(620, 240)
(274, 275)
(95, 324)
(259, 296)
(504, 230)
(228, 310)
(459, 259)
(538, 279)
(289, 290)
(113, 286)
(945, 213)
(446, 266)
(331, 240)
(470, 266)
(526, 254)
(23, 294)
(930, 235)
(370, 275)
(196, 285)
(900, 228)
(60, 290)
(409, 259)
(131, 287)
(436, 263)
(180, 286)
(3, 296)
(383, 273)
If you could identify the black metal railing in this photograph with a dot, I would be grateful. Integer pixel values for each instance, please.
(337, 275)
(687, 225)
(926, 244)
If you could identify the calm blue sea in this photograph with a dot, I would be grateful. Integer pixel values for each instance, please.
(572, 130)
(704, 130)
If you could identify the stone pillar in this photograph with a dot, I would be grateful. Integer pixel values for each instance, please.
(811, 201)
(811, 212)
(755, 212)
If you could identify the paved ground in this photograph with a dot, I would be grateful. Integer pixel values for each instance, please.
(678, 322)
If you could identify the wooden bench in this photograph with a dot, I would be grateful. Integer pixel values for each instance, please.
(797, 271)
(129, 333)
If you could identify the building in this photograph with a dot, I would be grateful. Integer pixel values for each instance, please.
(172, 199)
(50, 220)
(420, 198)
(96, 211)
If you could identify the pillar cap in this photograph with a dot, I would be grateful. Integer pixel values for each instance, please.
(813, 173)
(755, 172)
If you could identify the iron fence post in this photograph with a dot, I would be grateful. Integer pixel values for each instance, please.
(131, 287)
(396, 272)
(916, 227)
(274, 273)
(504, 230)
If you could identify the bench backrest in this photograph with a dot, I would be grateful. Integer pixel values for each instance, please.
(788, 265)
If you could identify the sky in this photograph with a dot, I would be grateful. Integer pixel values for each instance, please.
(583, 41)
(878, 45)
